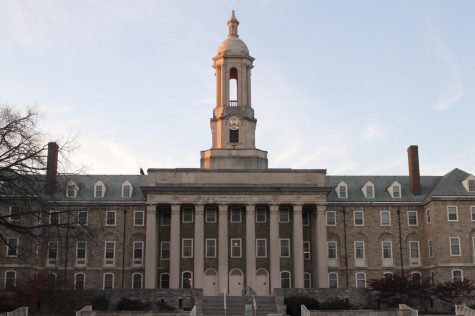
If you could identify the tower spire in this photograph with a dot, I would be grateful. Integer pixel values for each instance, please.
(233, 25)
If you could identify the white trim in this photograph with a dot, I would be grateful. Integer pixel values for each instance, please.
(381, 218)
(73, 185)
(356, 279)
(290, 278)
(414, 261)
(409, 216)
(51, 262)
(137, 261)
(472, 213)
(326, 215)
(81, 261)
(387, 262)
(265, 247)
(5, 279)
(235, 209)
(161, 280)
(264, 210)
(428, 216)
(115, 218)
(336, 274)
(309, 252)
(359, 262)
(280, 247)
(187, 209)
(364, 190)
(191, 273)
(104, 280)
(133, 281)
(339, 190)
(459, 246)
(287, 211)
(332, 261)
(309, 280)
(103, 190)
(84, 279)
(452, 207)
(161, 250)
(109, 261)
(50, 217)
(430, 248)
(17, 244)
(135, 218)
(232, 247)
(210, 209)
(206, 247)
(452, 274)
(122, 189)
(392, 191)
(183, 240)
(87, 217)
(354, 218)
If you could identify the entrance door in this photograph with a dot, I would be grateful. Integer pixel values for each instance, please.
(236, 283)
(211, 283)
(262, 282)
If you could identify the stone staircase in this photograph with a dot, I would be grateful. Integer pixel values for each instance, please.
(214, 306)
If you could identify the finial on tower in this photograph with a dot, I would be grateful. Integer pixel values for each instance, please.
(233, 25)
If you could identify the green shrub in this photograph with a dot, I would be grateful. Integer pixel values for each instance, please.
(126, 304)
(100, 302)
(293, 304)
(6, 307)
(163, 306)
(336, 304)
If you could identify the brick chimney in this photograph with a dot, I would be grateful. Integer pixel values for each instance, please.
(414, 174)
(51, 168)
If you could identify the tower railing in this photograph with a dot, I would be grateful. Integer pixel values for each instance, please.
(233, 102)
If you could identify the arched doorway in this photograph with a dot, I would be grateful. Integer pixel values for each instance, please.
(236, 282)
(262, 282)
(211, 283)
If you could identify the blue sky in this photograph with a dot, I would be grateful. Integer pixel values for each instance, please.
(341, 85)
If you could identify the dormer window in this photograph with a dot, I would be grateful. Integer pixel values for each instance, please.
(126, 189)
(395, 190)
(469, 183)
(368, 190)
(99, 189)
(71, 189)
(342, 190)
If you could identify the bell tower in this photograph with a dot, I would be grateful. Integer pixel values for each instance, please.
(233, 124)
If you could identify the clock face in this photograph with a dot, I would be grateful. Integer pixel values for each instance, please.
(234, 122)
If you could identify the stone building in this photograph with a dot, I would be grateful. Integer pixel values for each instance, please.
(234, 222)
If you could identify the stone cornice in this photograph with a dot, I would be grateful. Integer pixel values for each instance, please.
(220, 189)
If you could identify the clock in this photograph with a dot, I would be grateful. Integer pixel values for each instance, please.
(234, 122)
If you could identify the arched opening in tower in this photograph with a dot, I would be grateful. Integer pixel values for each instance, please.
(233, 82)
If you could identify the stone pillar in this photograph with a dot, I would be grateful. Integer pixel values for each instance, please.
(240, 86)
(175, 247)
(219, 81)
(250, 245)
(223, 249)
(298, 246)
(322, 256)
(151, 243)
(225, 85)
(274, 248)
(315, 247)
(248, 86)
(199, 264)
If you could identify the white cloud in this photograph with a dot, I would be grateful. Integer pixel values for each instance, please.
(374, 131)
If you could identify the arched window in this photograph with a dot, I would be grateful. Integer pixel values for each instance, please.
(99, 189)
(108, 281)
(416, 276)
(10, 279)
(285, 280)
(187, 280)
(137, 280)
(333, 280)
(233, 83)
(164, 280)
(79, 281)
(127, 189)
(307, 280)
(360, 280)
(457, 275)
(72, 189)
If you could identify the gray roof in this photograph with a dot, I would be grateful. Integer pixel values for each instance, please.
(450, 184)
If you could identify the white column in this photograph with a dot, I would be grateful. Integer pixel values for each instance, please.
(298, 246)
(223, 249)
(219, 81)
(322, 257)
(175, 247)
(240, 87)
(249, 86)
(199, 263)
(315, 248)
(274, 248)
(151, 243)
(250, 245)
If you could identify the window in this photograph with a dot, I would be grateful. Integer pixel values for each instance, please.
(15, 213)
(431, 251)
(284, 248)
(455, 246)
(79, 281)
(110, 218)
(165, 250)
(307, 280)
(138, 218)
(331, 218)
(187, 214)
(12, 247)
(305, 218)
(82, 217)
(452, 213)
(187, 248)
(210, 248)
(284, 215)
(360, 280)
(164, 280)
(138, 252)
(332, 253)
(54, 218)
(358, 218)
(428, 216)
(261, 214)
(261, 248)
(108, 281)
(187, 280)
(285, 281)
(396, 191)
(306, 250)
(412, 218)
(414, 254)
(457, 275)
(81, 252)
(342, 190)
(385, 218)
(166, 217)
(369, 191)
(137, 280)
(234, 135)
(210, 214)
(99, 189)
(109, 253)
(387, 249)
(472, 213)
(235, 248)
(126, 189)
(471, 185)
(359, 253)
(10, 279)
(235, 215)
(416, 276)
(71, 190)
(52, 253)
(333, 280)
